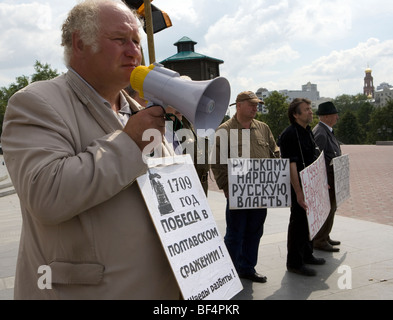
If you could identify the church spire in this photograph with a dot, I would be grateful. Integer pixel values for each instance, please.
(369, 88)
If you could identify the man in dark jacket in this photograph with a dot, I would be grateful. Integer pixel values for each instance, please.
(297, 144)
(327, 142)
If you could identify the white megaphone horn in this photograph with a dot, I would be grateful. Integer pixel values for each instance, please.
(203, 103)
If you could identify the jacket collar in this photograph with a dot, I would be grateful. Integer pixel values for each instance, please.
(95, 103)
(239, 125)
(330, 129)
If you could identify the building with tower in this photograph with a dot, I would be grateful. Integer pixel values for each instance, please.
(187, 62)
(369, 88)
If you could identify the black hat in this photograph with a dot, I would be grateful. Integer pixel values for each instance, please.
(326, 108)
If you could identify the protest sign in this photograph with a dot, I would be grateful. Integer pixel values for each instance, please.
(316, 194)
(188, 232)
(341, 179)
(258, 183)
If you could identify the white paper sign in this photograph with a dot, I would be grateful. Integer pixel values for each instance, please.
(258, 183)
(316, 194)
(188, 232)
(341, 179)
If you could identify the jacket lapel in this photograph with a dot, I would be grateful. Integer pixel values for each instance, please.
(333, 139)
(99, 111)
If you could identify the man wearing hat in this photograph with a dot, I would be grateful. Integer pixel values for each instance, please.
(244, 226)
(327, 142)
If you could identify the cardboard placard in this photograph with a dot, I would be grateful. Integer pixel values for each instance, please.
(341, 179)
(188, 232)
(316, 194)
(259, 183)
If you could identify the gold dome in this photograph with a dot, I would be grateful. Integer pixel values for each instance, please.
(368, 70)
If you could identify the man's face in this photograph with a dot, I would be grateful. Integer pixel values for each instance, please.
(119, 50)
(331, 119)
(247, 109)
(305, 115)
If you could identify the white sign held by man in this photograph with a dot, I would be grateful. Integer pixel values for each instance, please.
(341, 178)
(258, 183)
(188, 232)
(316, 194)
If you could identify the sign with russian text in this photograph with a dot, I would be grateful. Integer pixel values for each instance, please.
(258, 183)
(341, 179)
(316, 194)
(188, 232)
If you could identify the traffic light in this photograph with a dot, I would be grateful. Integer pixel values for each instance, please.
(160, 18)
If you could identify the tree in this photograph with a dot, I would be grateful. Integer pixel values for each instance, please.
(348, 129)
(42, 72)
(381, 124)
(360, 107)
(6, 93)
(277, 116)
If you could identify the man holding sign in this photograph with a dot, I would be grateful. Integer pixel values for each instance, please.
(74, 148)
(298, 145)
(327, 142)
(251, 139)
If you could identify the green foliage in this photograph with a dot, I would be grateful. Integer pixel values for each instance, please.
(349, 129)
(359, 121)
(361, 108)
(277, 117)
(42, 72)
(381, 124)
(225, 119)
(362, 123)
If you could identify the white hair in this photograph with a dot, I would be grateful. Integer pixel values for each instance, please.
(84, 17)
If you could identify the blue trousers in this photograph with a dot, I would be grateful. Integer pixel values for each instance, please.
(243, 234)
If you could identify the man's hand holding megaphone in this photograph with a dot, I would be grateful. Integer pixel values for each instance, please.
(146, 119)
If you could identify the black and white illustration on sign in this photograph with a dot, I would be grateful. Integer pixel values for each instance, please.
(164, 206)
(258, 183)
(188, 231)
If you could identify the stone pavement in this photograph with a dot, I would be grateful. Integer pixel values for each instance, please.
(364, 225)
(362, 270)
(371, 171)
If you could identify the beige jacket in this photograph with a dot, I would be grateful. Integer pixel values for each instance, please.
(74, 170)
(262, 146)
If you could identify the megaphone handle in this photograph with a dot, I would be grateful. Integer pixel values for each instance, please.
(151, 105)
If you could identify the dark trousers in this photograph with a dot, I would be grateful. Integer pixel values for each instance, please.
(243, 234)
(299, 246)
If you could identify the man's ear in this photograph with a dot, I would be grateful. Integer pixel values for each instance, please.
(77, 43)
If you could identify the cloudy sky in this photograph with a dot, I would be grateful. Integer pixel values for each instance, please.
(275, 44)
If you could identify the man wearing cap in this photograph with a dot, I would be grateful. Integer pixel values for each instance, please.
(327, 142)
(244, 227)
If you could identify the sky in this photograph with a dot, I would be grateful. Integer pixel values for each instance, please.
(272, 44)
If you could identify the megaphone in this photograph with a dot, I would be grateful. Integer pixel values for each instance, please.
(203, 103)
